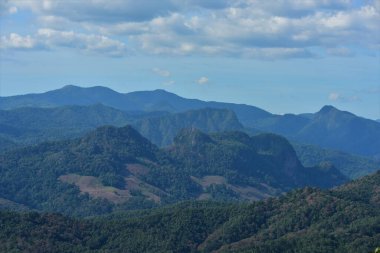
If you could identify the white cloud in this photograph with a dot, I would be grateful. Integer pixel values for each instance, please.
(161, 72)
(12, 10)
(242, 28)
(101, 11)
(334, 96)
(18, 42)
(337, 97)
(202, 80)
(86, 42)
(51, 39)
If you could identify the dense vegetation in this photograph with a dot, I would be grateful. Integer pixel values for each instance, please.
(346, 219)
(352, 166)
(32, 125)
(110, 168)
(113, 171)
(162, 130)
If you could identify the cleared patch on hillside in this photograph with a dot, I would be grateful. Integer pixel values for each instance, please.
(149, 191)
(93, 186)
(206, 181)
(137, 169)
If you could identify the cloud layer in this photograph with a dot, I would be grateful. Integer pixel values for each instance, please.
(241, 28)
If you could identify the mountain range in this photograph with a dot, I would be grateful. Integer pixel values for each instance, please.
(328, 128)
(117, 168)
(94, 170)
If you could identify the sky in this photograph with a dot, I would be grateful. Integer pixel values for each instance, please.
(285, 56)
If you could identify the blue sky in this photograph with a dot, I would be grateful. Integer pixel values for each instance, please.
(283, 55)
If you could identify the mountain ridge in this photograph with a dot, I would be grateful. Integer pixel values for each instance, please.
(328, 128)
(112, 168)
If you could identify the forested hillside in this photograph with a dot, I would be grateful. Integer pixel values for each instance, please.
(346, 219)
(116, 168)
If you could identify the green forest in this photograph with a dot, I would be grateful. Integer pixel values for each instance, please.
(346, 219)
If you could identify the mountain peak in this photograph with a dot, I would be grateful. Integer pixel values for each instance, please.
(70, 86)
(327, 109)
(75, 88)
(124, 140)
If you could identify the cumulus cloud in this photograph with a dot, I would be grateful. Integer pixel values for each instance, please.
(202, 80)
(161, 72)
(101, 11)
(51, 39)
(241, 28)
(18, 42)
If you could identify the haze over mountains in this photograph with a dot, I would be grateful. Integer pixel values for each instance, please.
(329, 128)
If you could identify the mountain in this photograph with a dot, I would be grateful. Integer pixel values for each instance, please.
(162, 130)
(341, 130)
(352, 166)
(157, 100)
(32, 125)
(345, 219)
(328, 128)
(68, 95)
(117, 168)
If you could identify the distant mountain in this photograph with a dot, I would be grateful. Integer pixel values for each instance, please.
(162, 130)
(68, 95)
(329, 128)
(345, 219)
(116, 168)
(32, 125)
(157, 100)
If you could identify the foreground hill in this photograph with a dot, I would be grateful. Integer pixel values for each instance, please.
(116, 168)
(345, 219)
